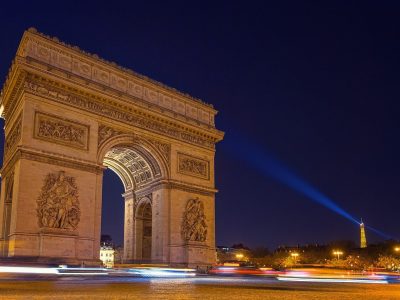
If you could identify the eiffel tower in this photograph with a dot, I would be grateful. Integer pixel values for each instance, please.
(363, 239)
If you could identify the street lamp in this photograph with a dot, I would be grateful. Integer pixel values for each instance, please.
(338, 253)
(295, 255)
(239, 256)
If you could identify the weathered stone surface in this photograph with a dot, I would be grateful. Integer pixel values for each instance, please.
(68, 116)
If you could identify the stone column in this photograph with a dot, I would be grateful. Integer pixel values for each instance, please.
(129, 221)
(160, 225)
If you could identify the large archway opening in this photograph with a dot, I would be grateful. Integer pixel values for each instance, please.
(139, 171)
(112, 216)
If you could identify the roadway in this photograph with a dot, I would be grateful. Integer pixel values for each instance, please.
(199, 287)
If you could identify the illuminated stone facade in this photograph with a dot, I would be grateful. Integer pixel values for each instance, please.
(68, 116)
(107, 256)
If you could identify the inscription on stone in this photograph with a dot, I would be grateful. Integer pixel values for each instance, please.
(58, 203)
(61, 131)
(194, 226)
(193, 166)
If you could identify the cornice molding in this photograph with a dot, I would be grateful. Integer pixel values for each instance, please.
(174, 184)
(51, 158)
(52, 52)
(103, 107)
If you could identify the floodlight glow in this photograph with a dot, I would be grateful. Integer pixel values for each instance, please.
(163, 272)
(332, 280)
(271, 167)
(28, 270)
(243, 149)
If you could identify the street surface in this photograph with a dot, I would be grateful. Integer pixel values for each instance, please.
(199, 287)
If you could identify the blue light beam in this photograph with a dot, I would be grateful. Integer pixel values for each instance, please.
(267, 165)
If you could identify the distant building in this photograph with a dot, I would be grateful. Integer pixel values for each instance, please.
(232, 255)
(107, 255)
(363, 238)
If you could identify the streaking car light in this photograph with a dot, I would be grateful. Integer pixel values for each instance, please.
(163, 272)
(28, 270)
(331, 280)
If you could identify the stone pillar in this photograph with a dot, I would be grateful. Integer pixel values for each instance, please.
(129, 232)
(160, 225)
(6, 212)
(192, 229)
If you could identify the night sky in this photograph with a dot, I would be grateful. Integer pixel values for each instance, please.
(314, 85)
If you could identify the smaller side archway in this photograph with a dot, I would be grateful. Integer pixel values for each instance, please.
(144, 230)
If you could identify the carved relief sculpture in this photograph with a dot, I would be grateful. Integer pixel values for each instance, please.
(193, 166)
(9, 188)
(57, 130)
(165, 149)
(13, 137)
(194, 226)
(58, 203)
(106, 132)
(117, 114)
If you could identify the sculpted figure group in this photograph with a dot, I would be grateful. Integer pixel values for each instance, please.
(58, 204)
(194, 227)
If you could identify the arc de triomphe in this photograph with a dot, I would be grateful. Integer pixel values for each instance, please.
(68, 116)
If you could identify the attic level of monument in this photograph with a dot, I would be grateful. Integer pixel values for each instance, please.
(65, 60)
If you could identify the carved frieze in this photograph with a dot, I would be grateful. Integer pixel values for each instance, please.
(127, 82)
(101, 108)
(61, 131)
(193, 166)
(13, 137)
(106, 132)
(194, 225)
(58, 203)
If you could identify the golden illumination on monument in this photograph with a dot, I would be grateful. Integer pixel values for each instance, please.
(363, 239)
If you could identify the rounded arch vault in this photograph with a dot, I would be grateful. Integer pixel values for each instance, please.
(140, 173)
(68, 116)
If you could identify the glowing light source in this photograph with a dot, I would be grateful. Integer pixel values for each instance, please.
(332, 280)
(28, 270)
(241, 148)
(163, 272)
(338, 253)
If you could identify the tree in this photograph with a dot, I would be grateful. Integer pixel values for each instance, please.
(106, 239)
(388, 262)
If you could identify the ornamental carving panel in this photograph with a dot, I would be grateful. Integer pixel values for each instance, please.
(13, 138)
(194, 226)
(61, 131)
(58, 203)
(106, 132)
(193, 166)
(126, 81)
(165, 149)
(110, 111)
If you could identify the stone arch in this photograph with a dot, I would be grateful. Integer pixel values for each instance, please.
(143, 229)
(141, 167)
(54, 124)
(157, 161)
